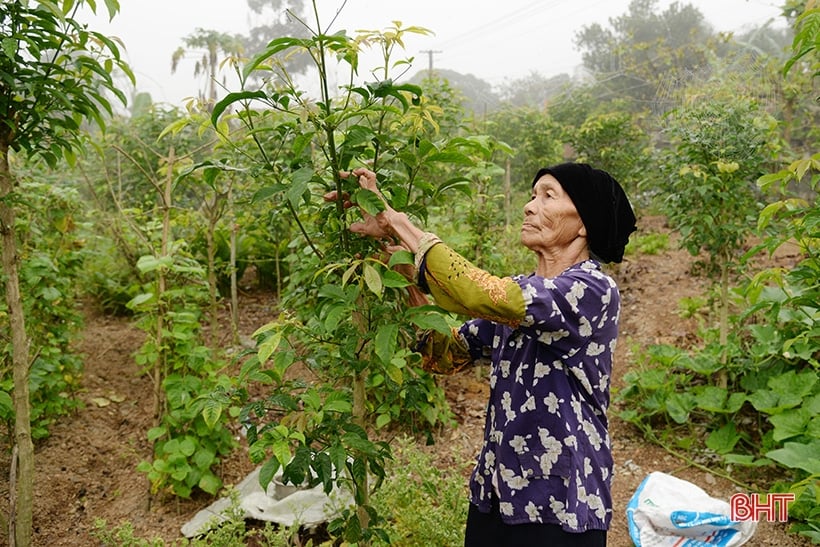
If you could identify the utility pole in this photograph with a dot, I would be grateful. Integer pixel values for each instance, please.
(430, 53)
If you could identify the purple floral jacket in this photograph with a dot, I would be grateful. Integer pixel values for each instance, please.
(550, 341)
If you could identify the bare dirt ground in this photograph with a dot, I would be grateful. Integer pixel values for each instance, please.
(86, 469)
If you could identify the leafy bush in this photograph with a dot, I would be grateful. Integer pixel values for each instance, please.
(188, 443)
(423, 504)
(50, 263)
(768, 414)
(648, 243)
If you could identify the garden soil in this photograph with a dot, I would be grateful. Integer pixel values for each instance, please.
(86, 469)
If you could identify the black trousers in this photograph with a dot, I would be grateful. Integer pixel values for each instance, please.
(488, 530)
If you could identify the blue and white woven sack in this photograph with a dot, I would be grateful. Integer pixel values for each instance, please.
(666, 511)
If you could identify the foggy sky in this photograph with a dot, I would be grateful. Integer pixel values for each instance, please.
(494, 40)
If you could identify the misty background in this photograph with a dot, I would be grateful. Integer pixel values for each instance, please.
(481, 46)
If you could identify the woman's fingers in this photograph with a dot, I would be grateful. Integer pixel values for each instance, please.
(369, 227)
(365, 177)
(332, 195)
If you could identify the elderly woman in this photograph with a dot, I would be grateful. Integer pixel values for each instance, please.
(544, 472)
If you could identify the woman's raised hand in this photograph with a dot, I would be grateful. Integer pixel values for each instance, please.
(366, 177)
(377, 227)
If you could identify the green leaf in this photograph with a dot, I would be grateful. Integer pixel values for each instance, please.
(6, 404)
(149, 263)
(231, 98)
(268, 346)
(299, 185)
(401, 257)
(790, 423)
(394, 373)
(711, 398)
(679, 405)
(210, 483)
(204, 458)
(268, 192)
(188, 446)
(139, 300)
(334, 316)
(211, 411)
(796, 385)
(369, 201)
(156, 432)
(798, 456)
(735, 401)
(338, 456)
(382, 420)
(274, 47)
(773, 402)
(393, 279)
(386, 342)
(430, 321)
(723, 440)
(50, 294)
(338, 405)
(267, 472)
(373, 280)
(281, 449)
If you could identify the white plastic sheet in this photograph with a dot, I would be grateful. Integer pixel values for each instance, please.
(668, 511)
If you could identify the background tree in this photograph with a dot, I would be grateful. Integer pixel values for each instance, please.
(477, 96)
(642, 47)
(54, 73)
(719, 148)
(206, 46)
(615, 143)
(274, 19)
(534, 90)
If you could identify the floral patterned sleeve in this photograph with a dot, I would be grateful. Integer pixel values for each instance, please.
(460, 287)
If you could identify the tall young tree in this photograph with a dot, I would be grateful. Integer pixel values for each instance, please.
(54, 74)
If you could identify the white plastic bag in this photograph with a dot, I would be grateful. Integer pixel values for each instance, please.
(668, 511)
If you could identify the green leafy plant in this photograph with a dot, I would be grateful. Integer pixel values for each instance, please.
(56, 73)
(719, 148)
(427, 505)
(345, 325)
(651, 243)
(52, 253)
(187, 446)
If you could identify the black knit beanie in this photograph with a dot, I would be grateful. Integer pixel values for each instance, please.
(602, 205)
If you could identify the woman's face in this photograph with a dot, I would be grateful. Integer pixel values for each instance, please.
(551, 221)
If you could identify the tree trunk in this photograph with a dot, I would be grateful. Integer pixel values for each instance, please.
(507, 193)
(213, 311)
(359, 417)
(234, 280)
(22, 519)
(723, 376)
(160, 371)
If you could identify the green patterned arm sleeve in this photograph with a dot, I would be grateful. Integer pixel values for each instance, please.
(460, 287)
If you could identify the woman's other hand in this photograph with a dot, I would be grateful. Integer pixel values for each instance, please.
(388, 224)
(377, 227)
